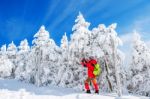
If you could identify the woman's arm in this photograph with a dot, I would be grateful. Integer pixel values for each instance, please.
(84, 62)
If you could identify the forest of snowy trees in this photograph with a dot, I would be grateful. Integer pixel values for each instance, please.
(44, 63)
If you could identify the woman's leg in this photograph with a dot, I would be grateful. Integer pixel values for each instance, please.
(86, 83)
(94, 81)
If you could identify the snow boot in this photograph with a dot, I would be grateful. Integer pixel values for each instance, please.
(97, 91)
(88, 91)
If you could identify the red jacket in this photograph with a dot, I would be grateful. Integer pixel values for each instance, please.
(90, 66)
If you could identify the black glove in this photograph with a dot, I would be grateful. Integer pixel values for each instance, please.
(84, 65)
(83, 60)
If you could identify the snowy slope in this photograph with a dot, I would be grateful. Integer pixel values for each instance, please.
(13, 89)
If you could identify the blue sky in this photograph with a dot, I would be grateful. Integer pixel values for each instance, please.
(20, 19)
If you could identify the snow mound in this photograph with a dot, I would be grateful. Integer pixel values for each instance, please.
(13, 89)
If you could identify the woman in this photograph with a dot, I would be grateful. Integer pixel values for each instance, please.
(90, 65)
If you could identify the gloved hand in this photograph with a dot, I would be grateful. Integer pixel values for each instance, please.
(83, 60)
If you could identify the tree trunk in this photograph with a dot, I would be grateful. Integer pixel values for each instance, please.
(117, 69)
(107, 77)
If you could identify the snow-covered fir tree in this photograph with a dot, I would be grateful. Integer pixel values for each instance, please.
(139, 78)
(78, 49)
(54, 56)
(80, 38)
(6, 65)
(115, 58)
(41, 69)
(64, 71)
(12, 55)
(3, 49)
(24, 46)
(12, 50)
(22, 58)
(64, 43)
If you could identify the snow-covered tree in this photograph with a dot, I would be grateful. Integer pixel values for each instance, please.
(63, 72)
(11, 50)
(64, 42)
(78, 49)
(12, 55)
(22, 58)
(41, 69)
(5, 64)
(24, 46)
(139, 76)
(6, 67)
(104, 45)
(54, 54)
(80, 38)
(3, 49)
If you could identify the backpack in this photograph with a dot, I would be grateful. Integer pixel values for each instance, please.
(97, 70)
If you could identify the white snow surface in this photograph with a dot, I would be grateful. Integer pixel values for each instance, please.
(13, 89)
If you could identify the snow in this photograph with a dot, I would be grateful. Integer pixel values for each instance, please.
(13, 89)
